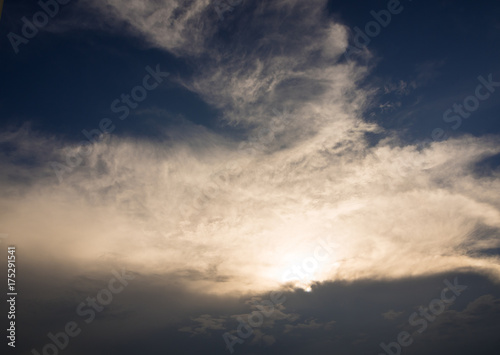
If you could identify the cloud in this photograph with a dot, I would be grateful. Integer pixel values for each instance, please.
(262, 339)
(477, 316)
(207, 322)
(179, 26)
(222, 219)
(309, 325)
(391, 314)
(475, 323)
(401, 88)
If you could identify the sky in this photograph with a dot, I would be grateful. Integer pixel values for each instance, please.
(250, 177)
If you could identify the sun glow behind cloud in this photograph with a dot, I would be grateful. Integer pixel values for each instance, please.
(387, 211)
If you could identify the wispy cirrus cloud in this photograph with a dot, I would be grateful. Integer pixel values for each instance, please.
(390, 210)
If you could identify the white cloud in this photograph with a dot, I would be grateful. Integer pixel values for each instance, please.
(390, 211)
(179, 26)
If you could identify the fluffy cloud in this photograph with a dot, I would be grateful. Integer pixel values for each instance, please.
(222, 218)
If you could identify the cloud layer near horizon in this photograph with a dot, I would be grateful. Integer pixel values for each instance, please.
(224, 215)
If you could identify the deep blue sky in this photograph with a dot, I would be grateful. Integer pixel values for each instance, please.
(65, 82)
(264, 144)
